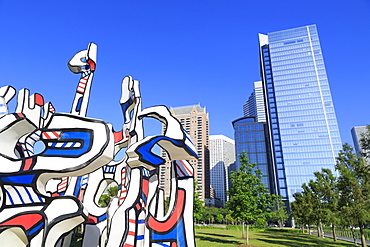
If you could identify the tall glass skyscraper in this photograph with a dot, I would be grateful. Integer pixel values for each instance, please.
(255, 105)
(221, 156)
(250, 137)
(302, 125)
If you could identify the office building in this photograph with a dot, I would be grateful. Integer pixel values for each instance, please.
(255, 105)
(222, 155)
(357, 133)
(250, 137)
(301, 121)
(194, 119)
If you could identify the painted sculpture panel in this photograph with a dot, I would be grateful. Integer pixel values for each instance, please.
(47, 193)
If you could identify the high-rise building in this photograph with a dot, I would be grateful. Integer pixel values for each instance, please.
(302, 126)
(249, 107)
(222, 155)
(251, 137)
(357, 133)
(194, 119)
(255, 105)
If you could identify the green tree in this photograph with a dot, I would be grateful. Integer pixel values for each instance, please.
(302, 207)
(166, 204)
(354, 188)
(319, 211)
(199, 208)
(207, 216)
(105, 199)
(318, 203)
(211, 214)
(298, 211)
(325, 189)
(219, 218)
(249, 199)
(229, 219)
(278, 211)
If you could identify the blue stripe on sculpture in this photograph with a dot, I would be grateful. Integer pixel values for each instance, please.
(176, 234)
(148, 157)
(10, 197)
(101, 218)
(29, 194)
(139, 237)
(77, 187)
(78, 106)
(40, 198)
(19, 179)
(36, 228)
(125, 106)
(19, 194)
(162, 244)
(85, 137)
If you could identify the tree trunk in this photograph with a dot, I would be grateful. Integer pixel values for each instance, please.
(302, 228)
(243, 230)
(363, 240)
(280, 223)
(309, 229)
(353, 235)
(247, 238)
(322, 230)
(318, 231)
(334, 232)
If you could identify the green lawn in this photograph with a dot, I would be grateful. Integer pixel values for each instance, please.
(269, 238)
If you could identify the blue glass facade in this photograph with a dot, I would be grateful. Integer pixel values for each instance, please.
(304, 134)
(250, 137)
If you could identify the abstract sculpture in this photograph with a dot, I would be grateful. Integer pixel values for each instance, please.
(46, 194)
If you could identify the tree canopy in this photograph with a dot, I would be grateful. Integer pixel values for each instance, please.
(343, 199)
(354, 188)
(198, 204)
(249, 199)
(105, 199)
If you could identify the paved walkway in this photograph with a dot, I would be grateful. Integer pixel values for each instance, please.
(358, 241)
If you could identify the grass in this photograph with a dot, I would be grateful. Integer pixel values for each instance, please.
(274, 237)
(267, 238)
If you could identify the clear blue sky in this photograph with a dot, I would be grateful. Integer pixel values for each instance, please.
(183, 52)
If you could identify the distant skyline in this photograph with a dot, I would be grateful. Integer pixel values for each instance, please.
(182, 52)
